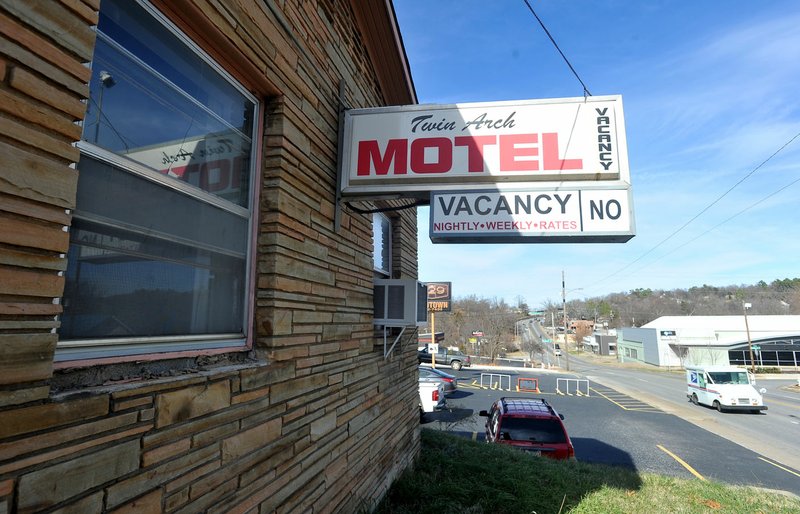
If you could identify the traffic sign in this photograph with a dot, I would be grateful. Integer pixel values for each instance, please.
(547, 340)
(756, 347)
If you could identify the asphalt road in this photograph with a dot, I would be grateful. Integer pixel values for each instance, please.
(611, 427)
(775, 433)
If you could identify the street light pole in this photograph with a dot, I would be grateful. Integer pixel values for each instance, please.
(746, 306)
(106, 82)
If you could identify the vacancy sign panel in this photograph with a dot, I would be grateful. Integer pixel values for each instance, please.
(546, 216)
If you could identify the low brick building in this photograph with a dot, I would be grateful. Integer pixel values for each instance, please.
(185, 309)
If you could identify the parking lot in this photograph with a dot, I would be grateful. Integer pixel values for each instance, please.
(608, 427)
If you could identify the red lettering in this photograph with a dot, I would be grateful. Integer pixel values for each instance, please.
(550, 158)
(236, 176)
(369, 153)
(215, 169)
(444, 155)
(509, 152)
(518, 152)
(192, 174)
(475, 146)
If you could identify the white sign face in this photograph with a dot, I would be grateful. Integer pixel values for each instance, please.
(550, 216)
(421, 148)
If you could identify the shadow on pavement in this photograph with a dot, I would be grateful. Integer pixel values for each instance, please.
(457, 395)
(447, 416)
(598, 452)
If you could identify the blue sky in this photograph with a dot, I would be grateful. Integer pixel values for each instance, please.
(711, 90)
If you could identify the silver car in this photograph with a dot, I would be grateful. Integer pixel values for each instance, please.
(449, 382)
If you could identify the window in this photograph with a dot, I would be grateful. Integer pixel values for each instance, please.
(160, 241)
(381, 244)
(539, 430)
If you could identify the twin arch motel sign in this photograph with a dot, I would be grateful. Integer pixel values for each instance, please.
(523, 171)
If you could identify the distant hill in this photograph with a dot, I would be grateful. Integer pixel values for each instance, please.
(640, 306)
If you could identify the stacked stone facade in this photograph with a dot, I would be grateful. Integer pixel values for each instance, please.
(311, 417)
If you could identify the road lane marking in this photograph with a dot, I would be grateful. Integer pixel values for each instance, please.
(779, 466)
(681, 462)
(625, 402)
(768, 401)
(611, 400)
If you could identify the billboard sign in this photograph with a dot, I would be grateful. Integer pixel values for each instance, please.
(439, 296)
(417, 149)
(544, 216)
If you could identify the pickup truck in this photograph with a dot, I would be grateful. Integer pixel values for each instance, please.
(454, 359)
(431, 396)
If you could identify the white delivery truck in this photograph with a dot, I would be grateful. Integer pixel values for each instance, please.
(724, 388)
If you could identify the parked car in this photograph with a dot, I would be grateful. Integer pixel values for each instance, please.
(530, 424)
(449, 382)
(453, 358)
(431, 397)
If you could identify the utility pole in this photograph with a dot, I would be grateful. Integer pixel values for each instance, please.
(433, 339)
(746, 306)
(564, 311)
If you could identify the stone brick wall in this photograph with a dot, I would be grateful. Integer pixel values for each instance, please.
(317, 420)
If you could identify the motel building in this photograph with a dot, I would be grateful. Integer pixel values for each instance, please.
(209, 294)
(678, 341)
(186, 309)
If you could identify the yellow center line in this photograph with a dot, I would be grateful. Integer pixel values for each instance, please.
(779, 466)
(681, 462)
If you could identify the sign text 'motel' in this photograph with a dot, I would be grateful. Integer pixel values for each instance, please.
(546, 170)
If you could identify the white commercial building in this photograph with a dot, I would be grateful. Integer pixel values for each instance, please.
(677, 341)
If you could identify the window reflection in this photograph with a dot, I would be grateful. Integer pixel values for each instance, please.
(153, 101)
(120, 284)
(381, 239)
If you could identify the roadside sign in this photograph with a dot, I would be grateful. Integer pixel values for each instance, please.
(547, 340)
(756, 347)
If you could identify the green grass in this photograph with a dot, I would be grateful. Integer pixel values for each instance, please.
(454, 475)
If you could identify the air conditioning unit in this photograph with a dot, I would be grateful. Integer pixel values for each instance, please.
(400, 302)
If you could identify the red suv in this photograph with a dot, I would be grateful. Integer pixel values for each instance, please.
(530, 424)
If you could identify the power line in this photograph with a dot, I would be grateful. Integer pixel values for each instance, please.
(723, 195)
(585, 89)
(715, 227)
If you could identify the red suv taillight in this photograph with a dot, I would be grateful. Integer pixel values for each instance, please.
(435, 395)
